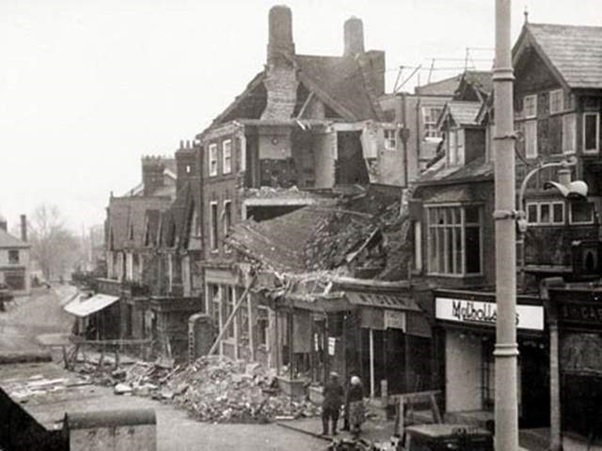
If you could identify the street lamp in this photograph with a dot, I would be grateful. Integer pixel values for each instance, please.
(576, 189)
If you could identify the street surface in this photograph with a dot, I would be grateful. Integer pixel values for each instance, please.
(40, 318)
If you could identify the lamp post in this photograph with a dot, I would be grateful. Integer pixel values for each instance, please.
(506, 349)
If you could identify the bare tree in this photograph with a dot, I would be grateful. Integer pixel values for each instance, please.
(54, 247)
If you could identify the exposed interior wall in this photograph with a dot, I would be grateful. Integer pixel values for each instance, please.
(462, 372)
(325, 145)
(350, 165)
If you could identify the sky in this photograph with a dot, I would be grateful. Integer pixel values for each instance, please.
(89, 87)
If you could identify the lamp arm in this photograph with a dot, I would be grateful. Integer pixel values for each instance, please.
(531, 173)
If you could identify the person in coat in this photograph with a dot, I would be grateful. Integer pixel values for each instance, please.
(355, 400)
(333, 399)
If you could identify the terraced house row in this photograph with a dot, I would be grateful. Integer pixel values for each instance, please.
(321, 223)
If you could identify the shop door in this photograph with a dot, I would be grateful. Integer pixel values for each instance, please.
(535, 383)
(395, 364)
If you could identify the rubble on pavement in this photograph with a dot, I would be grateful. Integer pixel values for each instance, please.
(211, 389)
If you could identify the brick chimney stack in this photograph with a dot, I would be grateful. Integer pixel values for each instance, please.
(281, 78)
(354, 37)
(280, 43)
(24, 228)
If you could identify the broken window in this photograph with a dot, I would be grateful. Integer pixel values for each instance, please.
(390, 139)
(227, 218)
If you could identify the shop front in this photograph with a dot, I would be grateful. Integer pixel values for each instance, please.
(465, 333)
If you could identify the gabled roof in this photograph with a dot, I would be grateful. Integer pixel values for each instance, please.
(477, 169)
(446, 87)
(461, 113)
(9, 241)
(340, 83)
(574, 53)
(127, 219)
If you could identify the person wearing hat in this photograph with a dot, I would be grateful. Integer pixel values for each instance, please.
(333, 398)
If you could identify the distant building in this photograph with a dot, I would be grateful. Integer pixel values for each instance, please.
(15, 258)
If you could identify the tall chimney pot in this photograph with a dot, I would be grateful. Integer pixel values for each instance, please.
(24, 228)
(354, 36)
(280, 43)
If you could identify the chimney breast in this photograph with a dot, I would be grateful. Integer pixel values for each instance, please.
(24, 228)
(354, 36)
(280, 41)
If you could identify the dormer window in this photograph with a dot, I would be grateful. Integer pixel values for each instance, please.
(390, 139)
(530, 106)
(556, 101)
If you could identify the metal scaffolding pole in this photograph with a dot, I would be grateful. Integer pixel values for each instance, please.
(506, 349)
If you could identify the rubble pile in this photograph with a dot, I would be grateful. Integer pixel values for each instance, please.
(217, 389)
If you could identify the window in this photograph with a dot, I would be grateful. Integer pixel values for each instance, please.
(215, 300)
(530, 106)
(545, 213)
(417, 246)
(214, 228)
(455, 155)
(390, 139)
(228, 308)
(431, 115)
(591, 132)
(212, 159)
(531, 139)
(568, 133)
(13, 256)
(227, 218)
(581, 212)
(454, 240)
(556, 101)
(263, 324)
(227, 156)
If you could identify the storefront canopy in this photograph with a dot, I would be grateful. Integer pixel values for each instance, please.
(387, 301)
(83, 307)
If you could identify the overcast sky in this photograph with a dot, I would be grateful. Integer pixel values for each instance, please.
(88, 87)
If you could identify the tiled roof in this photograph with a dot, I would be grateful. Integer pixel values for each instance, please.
(481, 80)
(574, 51)
(342, 81)
(9, 241)
(446, 87)
(463, 113)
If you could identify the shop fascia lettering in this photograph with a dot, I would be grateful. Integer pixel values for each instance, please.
(485, 313)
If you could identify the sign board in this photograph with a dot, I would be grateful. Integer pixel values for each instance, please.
(530, 317)
(395, 320)
(580, 313)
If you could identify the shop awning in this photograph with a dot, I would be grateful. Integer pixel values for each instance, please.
(83, 307)
(379, 300)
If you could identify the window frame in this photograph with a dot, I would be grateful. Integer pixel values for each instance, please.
(430, 131)
(213, 160)
(530, 155)
(226, 219)
(538, 209)
(573, 124)
(556, 101)
(597, 148)
(390, 143)
(227, 156)
(213, 226)
(263, 318)
(588, 222)
(11, 257)
(437, 253)
(526, 106)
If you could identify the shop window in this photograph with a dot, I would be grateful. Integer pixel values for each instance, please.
(430, 116)
(455, 240)
(390, 139)
(212, 159)
(581, 212)
(214, 227)
(545, 213)
(13, 256)
(227, 156)
(556, 101)
(569, 124)
(591, 132)
(263, 324)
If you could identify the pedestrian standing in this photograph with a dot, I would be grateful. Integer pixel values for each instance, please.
(355, 400)
(333, 399)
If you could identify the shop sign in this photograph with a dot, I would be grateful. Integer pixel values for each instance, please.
(589, 313)
(485, 313)
(395, 320)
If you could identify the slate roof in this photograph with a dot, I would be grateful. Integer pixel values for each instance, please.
(478, 168)
(446, 87)
(341, 80)
(462, 113)
(574, 51)
(9, 241)
(129, 214)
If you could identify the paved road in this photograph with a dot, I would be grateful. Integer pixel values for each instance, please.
(41, 317)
